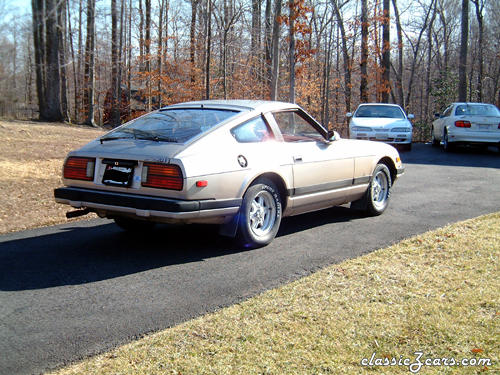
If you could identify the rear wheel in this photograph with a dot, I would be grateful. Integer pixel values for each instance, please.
(447, 146)
(260, 214)
(133, 225)
(434, 141)
(376, 198)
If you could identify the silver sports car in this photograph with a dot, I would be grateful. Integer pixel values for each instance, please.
(241, 164)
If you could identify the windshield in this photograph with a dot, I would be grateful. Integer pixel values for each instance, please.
(171, 125)
(477, 110)
(384, 111)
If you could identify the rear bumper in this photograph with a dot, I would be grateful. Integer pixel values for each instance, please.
(480, 137)
(109, 203)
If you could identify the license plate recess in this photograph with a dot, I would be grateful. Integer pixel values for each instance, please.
(118, 172)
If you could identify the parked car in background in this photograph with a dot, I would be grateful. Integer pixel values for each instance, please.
(241, 164)
(381, 122)
(467, 123)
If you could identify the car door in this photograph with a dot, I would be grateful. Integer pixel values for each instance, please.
(440, 123)
(323, 171)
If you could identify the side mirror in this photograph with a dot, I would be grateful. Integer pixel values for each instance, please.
(411, 116)
(437, 115)
(348, 114)
(333, 135)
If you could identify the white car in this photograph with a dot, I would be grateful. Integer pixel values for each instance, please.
(381, 122)
(467, 123)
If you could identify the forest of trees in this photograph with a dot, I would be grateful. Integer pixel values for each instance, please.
(105, 61)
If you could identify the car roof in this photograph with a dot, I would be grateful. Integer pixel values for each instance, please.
(385, 104)
(470, 103)
(249, 105)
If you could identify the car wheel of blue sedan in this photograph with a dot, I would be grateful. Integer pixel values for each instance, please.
(260, 214)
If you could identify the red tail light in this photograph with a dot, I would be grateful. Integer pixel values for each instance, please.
(162, 176)
(78, 168)
(462, 124)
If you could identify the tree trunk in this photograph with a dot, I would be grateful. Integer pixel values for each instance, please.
(208, 49)
(141, 37)
(115, 111)
(429, 66)
(479, 4)
(268, 40)
(159, 59)
(399, 73)
(73, 58)
(462, 66)
(347, 58)
(275, 51)
(53, 79)
(291, 56)
(192, 38)
(39, 47)
(89, 76)
(363, 87)
(147, 51)
(386, 53)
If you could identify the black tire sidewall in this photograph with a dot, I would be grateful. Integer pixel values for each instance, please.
(245, 234)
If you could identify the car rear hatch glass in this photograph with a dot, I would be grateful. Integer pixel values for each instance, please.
(176, 125)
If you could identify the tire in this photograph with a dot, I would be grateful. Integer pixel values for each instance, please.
(133, 225)
(447, 146)
(260, 214)
(434, 141)
(376, 198)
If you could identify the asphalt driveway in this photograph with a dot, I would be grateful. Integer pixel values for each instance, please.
(70, 291)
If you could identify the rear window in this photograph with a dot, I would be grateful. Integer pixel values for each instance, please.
(476, 110)
(383, 111)
(173, 125)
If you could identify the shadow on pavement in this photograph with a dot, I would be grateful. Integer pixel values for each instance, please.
(79, 254)
(461, 157)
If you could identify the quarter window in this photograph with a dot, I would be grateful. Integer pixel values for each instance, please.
(447, 112)
(254, 130)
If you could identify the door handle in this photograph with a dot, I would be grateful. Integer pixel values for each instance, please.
(297, 159)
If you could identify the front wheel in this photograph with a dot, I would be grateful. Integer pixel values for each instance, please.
(376, 198)
(260, 214)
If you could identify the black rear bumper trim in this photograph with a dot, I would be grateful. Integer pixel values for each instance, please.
(141, 202)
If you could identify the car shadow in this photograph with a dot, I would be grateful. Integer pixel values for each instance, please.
(461, 157)
(79, 254)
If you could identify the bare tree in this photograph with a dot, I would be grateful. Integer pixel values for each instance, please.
(462, 67)
(291, 51)
(386, 52)
(479, 6)
(363, 88)
(345, 53)
(275, 50)
(89, 74)
(115, 111)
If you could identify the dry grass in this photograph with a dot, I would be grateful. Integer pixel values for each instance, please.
(437, 293)
(31, 157)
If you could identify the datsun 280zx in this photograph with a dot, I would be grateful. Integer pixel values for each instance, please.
(241, 164)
